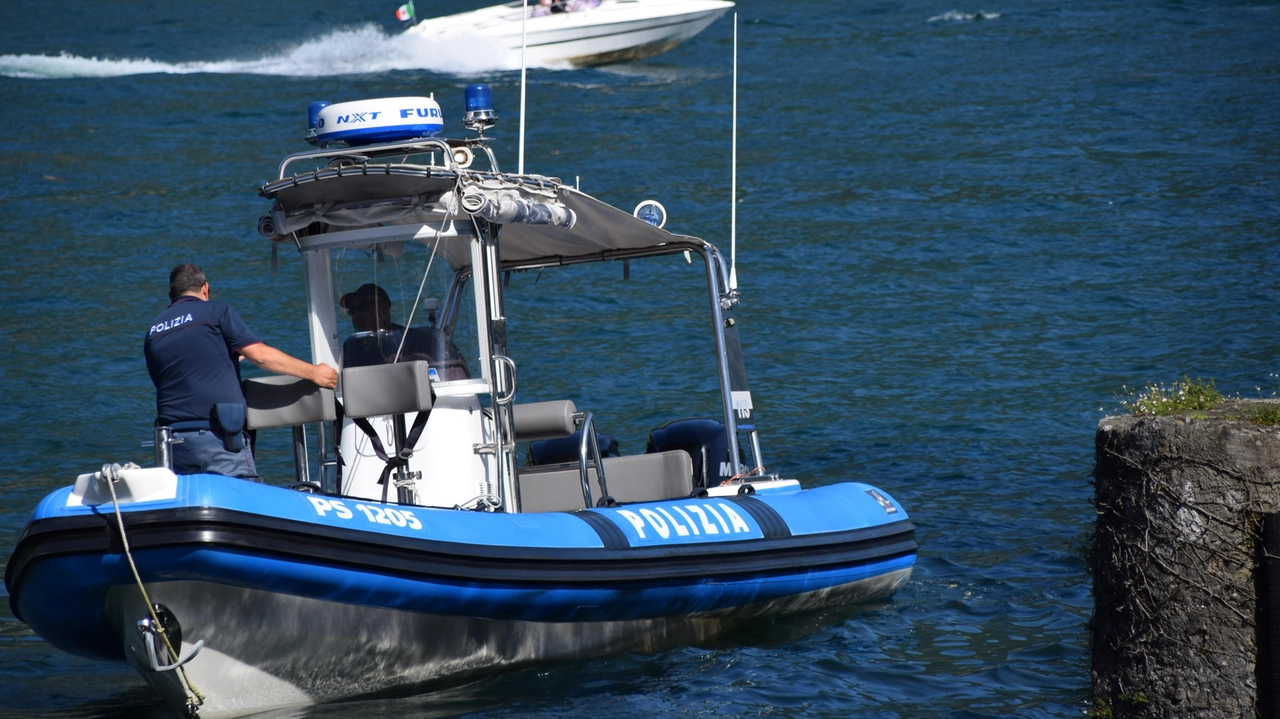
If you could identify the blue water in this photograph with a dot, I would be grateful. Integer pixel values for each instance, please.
(963, 230)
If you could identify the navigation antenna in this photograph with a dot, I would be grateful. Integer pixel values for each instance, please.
(524, 37)
(733, 192)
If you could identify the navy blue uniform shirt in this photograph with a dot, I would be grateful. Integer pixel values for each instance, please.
(191, 351)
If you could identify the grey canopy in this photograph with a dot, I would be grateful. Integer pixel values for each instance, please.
(397, 196)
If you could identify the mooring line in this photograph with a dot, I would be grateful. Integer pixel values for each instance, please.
(111, 473)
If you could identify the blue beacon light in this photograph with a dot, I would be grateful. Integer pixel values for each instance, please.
(313, 118)
(313, 112)
(479, 105)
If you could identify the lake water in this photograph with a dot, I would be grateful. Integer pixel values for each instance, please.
(963, 230)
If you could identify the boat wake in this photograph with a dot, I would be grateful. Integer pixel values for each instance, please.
(957, 16)
(355, 51)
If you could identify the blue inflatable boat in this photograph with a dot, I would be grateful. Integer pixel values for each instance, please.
(438, 526)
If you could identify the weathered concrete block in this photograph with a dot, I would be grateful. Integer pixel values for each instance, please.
(1175, 607)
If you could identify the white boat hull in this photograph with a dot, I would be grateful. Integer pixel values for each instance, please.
(614, 31)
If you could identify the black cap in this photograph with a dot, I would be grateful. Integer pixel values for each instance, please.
(364, 298)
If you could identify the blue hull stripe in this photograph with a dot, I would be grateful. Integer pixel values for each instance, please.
(64, 599)
(201, 526)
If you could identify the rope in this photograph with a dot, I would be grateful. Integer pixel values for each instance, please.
(448, 215)
(111, 473)
(744, 475)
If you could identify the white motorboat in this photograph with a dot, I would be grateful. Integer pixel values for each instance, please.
(581, 33)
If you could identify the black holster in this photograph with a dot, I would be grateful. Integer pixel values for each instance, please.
(228, 419)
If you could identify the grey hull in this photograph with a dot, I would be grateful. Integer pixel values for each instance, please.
(264, 650)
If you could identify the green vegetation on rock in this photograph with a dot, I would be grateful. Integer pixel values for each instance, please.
(1187, 395)
(1267, 414)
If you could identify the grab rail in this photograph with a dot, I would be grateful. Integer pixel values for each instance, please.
(417, 146)
(589, 436)
(504, 381)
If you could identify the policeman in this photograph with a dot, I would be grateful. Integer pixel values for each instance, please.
(192, 351)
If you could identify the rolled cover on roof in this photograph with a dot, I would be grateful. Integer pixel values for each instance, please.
(508, 207)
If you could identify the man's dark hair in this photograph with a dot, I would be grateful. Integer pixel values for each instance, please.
(184, 279)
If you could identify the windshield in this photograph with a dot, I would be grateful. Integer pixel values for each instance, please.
(387, 312)
(636, 352)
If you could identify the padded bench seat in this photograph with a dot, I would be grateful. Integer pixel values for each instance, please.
(635, 478)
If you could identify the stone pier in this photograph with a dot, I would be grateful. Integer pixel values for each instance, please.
(1180, 501)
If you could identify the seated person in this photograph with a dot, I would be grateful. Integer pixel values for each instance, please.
(369, 308)
(545, 7)
(378, 340)
(377, 337)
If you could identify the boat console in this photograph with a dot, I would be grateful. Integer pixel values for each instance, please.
(392, 191)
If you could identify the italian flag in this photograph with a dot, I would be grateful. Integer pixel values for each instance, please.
(405, 12)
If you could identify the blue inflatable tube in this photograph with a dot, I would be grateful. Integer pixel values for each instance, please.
(648, 561)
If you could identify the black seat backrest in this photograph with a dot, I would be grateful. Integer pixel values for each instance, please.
(705, 441)
(565, 449)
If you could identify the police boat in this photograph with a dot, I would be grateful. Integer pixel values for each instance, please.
(438, 526)
(573, 33)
